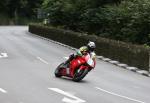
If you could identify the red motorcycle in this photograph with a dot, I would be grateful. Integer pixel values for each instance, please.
(77, 69)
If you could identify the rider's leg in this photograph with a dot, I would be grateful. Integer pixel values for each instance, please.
(71, 57)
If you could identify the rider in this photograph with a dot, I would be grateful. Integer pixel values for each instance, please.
(83, 51)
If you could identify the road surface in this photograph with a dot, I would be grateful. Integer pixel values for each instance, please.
(27, 65)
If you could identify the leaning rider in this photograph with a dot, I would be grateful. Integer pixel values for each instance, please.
(83, 51)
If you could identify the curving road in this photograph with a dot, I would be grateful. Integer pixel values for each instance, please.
(27, 63)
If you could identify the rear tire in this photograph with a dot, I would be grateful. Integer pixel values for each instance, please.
(57, 71)
(80, 75)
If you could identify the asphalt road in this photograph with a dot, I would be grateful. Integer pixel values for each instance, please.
(27, 65)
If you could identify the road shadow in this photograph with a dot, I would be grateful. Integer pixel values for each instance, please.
(67, 79)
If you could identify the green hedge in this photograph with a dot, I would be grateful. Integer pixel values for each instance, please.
(133, 55)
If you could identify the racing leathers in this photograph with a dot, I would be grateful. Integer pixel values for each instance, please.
(81, 52)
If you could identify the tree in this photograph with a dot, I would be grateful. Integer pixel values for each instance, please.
(3, 6)
(27, 8)
(126, 20)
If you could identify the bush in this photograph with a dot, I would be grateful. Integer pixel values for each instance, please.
(4, 19)
(133, 55)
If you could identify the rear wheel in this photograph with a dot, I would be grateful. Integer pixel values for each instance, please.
(58, 69)
(79, 75)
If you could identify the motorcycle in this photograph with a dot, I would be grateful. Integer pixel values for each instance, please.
(77, 69)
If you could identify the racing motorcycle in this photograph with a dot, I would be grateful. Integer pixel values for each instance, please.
(77, 69)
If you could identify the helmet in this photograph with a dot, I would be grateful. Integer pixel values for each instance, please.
(91, 46)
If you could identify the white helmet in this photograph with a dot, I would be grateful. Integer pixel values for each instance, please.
(91, 46)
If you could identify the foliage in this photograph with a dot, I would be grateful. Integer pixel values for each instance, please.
(17, 9)
(69, 13)
(126, 20)
(130, 21)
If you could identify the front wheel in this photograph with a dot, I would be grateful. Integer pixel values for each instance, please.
(58, 69)
(80, 74)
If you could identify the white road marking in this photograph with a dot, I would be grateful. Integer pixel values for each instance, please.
(3, 55)
(42, 60)
(2, 90)
(65, 99)
(119, 95)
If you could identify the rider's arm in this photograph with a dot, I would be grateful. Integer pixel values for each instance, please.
(93, 55)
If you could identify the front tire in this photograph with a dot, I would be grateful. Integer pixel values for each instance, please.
(80, 74)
